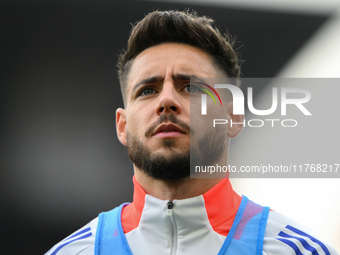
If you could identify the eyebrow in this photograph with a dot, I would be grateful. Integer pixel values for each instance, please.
(154, 79)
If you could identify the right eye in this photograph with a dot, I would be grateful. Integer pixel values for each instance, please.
(146, 92)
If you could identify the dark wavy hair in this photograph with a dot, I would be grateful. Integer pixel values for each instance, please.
(178, 27)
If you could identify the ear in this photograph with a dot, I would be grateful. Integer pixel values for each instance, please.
(237, 120)
(121, 125)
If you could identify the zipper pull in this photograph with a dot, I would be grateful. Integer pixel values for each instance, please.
(170, 205)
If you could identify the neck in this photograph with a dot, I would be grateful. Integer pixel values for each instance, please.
(175, 189)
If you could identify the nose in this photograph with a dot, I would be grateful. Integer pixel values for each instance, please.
(168, 100)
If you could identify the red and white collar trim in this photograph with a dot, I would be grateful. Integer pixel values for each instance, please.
(221, 204)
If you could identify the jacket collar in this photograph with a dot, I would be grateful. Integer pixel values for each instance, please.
(221, 204)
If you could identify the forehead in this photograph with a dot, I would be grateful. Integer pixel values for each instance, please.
(171, 59)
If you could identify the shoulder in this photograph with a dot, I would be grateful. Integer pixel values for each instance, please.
(80, 242)
(284, 236)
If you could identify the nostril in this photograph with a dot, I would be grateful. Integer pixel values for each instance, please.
(172, 108)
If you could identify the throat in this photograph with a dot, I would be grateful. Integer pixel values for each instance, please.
(175, 189)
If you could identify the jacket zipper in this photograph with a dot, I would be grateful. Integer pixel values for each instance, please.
(174, 237)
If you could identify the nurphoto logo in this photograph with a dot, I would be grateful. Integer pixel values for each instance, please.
(239, 105)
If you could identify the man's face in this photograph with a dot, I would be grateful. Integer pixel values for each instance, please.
(155, 126)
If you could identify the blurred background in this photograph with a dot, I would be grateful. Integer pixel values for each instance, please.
(61, 163)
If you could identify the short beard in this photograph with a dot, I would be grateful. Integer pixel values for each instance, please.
(209, 149)
(177, 164)
(174, 166)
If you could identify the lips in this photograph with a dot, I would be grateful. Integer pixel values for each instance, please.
(168, 130)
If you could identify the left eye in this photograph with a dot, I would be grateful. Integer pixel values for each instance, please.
(191, 88)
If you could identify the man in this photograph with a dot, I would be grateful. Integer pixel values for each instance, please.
(172, 213)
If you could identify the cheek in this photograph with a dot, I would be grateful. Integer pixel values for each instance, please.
(136, 122)
(216, 118)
